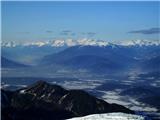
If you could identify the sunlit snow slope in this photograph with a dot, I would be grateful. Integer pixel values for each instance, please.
(110, 116)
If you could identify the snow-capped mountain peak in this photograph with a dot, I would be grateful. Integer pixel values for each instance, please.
(140, 42)
(82, 42)
(58, 43)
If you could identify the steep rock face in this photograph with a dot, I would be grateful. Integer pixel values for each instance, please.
(43, 101)
(6, 108)
(81, 103)
(5, 98)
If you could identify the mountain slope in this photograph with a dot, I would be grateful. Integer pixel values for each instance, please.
(6, 63)
(152, 63)
(28, 54)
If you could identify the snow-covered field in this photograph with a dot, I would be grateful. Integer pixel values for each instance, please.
(110, 116)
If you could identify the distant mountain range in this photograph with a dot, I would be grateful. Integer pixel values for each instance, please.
(89, 57)
(93, 58)
(105, 59)
(82, 42)
(44, 101)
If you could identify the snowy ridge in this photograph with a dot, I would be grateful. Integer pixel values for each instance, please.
(140, 42)
(58, 43)
(110, 116)
(82, 42)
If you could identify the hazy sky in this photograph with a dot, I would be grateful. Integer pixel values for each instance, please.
(30, 21)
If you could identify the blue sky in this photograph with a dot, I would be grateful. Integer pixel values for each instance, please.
(111, 21)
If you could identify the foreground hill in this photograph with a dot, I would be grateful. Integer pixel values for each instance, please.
(43, 101)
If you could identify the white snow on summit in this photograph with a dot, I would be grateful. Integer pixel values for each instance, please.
(110, 116)
(82, 42)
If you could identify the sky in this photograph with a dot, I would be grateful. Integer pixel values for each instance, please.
(110, 21)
